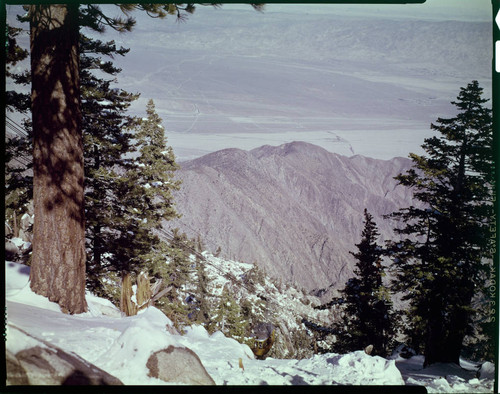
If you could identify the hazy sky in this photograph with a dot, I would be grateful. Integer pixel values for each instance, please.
(466, 10)
(475, 10)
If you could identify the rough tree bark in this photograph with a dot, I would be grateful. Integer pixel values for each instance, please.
(58, 263)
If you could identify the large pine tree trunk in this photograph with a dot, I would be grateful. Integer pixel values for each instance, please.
(58, 263)
(443, 347)
(445, 339)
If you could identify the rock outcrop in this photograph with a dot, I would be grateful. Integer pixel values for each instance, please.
(46, 364)
(178, 365)
(16, 375)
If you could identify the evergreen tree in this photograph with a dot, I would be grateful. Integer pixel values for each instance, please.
(18, 145)
(229, 318)
(444, 258)
(18, 175)
(179, 268)
(203, 304)
(145, 192)
(107, 143)
(367, 316)
(16, 101)
(171, 263)
(59, 258)
(145, 195)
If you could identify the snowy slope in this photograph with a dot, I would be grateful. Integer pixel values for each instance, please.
(284, 306)
(121, 346)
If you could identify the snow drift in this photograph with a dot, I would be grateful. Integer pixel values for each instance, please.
(121, 346)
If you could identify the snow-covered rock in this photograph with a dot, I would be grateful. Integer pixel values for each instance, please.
(178, 365)
(282, 306)
(487, 371)
(16, 375)
(45, 364)
(17, 247)
(402, 351)
(11, 249)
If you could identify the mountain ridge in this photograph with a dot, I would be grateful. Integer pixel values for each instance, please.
(295, 209)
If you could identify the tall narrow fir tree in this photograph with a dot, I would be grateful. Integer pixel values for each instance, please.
(444, 258)
(367, 305)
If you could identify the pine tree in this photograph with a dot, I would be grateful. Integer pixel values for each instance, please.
(146, 200)
(18, 175)
(444, 258)
(170, 263)
(16, 101)
(179, 267)
(145, 191)
(367, 307)
(58, 270)
(107, 142)
(229, 318)
(59, 256)
(203, 304)
(58, 259)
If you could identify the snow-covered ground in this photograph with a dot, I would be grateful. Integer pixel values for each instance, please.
(121, 346)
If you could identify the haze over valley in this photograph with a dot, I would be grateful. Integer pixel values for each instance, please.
(351, 83)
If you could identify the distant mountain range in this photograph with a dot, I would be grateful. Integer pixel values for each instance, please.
(295, 209)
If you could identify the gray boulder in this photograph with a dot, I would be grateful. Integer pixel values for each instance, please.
(487, 371)
(16, 375)
(43, 365)
(178, 365)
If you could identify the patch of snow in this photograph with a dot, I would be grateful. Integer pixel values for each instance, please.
(20, 243)
(127, 356)
(440, 377)
(99, 306)
(105, 102)
(134, 293)
(20, 341)
(122, 345)
(17, 288)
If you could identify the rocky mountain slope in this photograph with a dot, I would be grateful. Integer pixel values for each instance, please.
(296, 209)
(269, 301)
